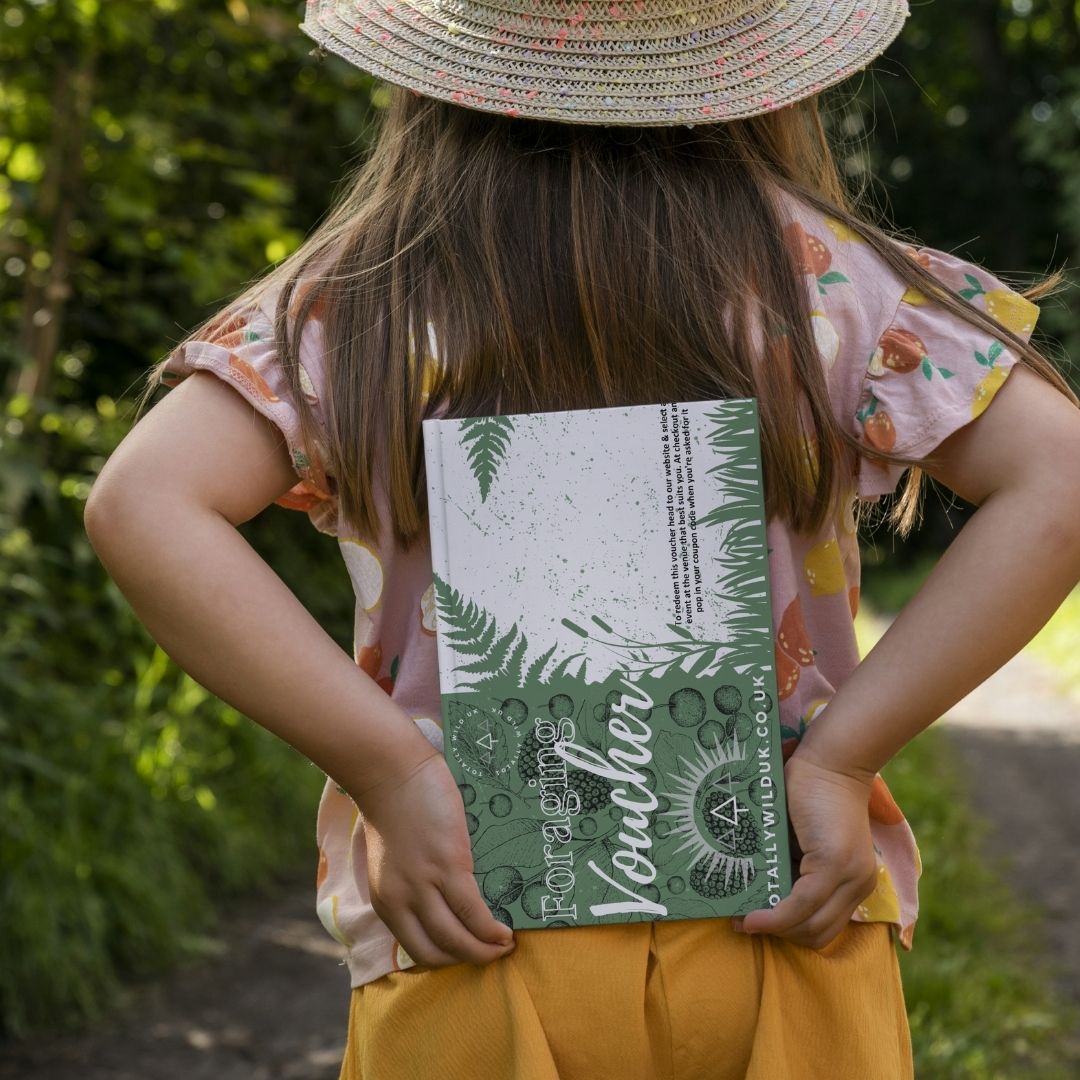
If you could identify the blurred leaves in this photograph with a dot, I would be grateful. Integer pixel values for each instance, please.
(973, 124)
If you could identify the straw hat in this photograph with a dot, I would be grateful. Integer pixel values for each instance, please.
(645, 62)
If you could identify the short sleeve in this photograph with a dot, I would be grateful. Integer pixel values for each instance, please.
(238, 347)
(931, 372)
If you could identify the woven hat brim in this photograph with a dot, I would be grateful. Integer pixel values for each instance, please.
(631, 66)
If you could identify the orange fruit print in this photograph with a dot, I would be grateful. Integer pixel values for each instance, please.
(369, 660)
(811, 255)
(792, 649)
(901, 350)
(299, 497)
(883, 806)
(787, 674)
(918, 256)
(229, 330)
(877, 425)
(792, 637)
(245, 369)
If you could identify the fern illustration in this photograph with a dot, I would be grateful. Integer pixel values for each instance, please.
(473, 632)
(486, 438)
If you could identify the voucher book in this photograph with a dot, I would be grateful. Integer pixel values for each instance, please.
(606, 665)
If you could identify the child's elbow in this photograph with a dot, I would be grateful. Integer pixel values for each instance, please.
(108, 512)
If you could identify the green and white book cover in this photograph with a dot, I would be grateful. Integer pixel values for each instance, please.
(606, 666)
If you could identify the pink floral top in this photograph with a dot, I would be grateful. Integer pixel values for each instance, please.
(902, 374)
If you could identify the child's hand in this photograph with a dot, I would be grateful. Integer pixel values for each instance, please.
(828, 811)
(420, 870)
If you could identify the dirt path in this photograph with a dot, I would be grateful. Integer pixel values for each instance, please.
(1019, 739)
(274, 1006)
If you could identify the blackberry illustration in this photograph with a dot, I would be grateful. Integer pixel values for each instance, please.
(711, 734)
(742, 839)
(531, 897)
(687, 707)
(503, 916)
(728, 699)
(676, 885)
(500, 804)
(468, 794)
(502, 885)
(714, 886)
(514, 711)
(594, 790)
(649, 777)
(561, 706)
(528, 765)
(741, 727)
(587, 826)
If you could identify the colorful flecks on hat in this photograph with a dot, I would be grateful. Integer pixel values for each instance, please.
(604, 62)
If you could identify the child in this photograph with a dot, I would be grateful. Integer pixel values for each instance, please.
(570, 207)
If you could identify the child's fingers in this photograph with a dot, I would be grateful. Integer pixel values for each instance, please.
(415, 940)
(447, 934)
(423, 940)
(824, 924)
(464, 899)
(808, 894)
(823, 908)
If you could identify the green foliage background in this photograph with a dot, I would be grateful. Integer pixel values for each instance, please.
(155, 156)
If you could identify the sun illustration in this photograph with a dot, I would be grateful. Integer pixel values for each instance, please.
(716, 825)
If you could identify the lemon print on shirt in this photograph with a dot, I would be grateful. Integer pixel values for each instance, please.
(991, 381)
(985, 391)
(1012, 310)
(1009, 308)
(810, 460)
(824, 569)
(883, 904)
(365, 570)
(429, 364)
(842, 232)
(400, 958)
(427, 610)
(828, 340)
(327, 910)
(307, 386)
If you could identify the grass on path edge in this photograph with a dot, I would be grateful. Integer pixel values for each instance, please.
(981, 1003)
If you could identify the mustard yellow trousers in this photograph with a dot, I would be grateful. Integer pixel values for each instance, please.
(682, 1000)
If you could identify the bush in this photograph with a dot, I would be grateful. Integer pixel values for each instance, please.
(130, 798)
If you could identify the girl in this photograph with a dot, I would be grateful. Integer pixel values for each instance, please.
(571, 207)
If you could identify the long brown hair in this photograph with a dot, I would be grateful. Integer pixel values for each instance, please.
(578, 266)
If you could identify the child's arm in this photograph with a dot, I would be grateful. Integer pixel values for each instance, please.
(997, 584)
(162, 519)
